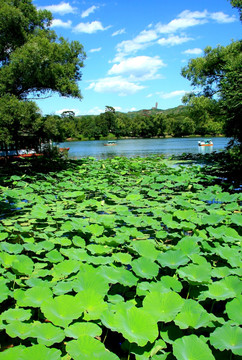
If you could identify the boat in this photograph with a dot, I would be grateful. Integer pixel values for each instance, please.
(207, 142)
(110, 143)
(64, 149)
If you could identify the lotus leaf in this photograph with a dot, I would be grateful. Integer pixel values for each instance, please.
(19, 329)
(65, 268)
(54, 256)
(192, 315)
(32, 297)
(39, 212)
(90, 278)
(95, 229)
(165, 284)
(226, 233)
(62, 310)
(136, 325)
(172, 259)
(63, 287)
(37, 352)
(193, 348)
(188, 245)
(236, 219)
(118, 275)
(196, 273)
(233, 309)
(92, 304)
(146, 248)
(99, 249)
(163, 306)
(11, 248)
(23, 264)
(145, 267)
(75, 254)
(227, 337)
(4, 290)
(86, 348)
(212, 219)
(3, 235)
(232, 255)
(16, 314)
(46, 333)
(78, 241)
(226, 288)
(83, 328)
(123, 258)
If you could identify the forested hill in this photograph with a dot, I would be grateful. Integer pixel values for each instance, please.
(153, 111)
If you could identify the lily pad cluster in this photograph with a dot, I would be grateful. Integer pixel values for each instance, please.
(120, 259)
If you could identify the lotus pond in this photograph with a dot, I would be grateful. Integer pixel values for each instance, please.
(120, 259)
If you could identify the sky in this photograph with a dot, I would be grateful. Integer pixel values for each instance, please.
(136, 49)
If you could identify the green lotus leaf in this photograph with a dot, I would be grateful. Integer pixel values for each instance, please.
(62, 287)
(172, 259)
(65, 268)
(212, 219)
(196, 273)
(92, 304)
(99, 260)
(221, 272)
(37, 352)
(122, 258)
(150, 351)
(99, 249)
(192, 315)
(46, 333)
(11, 248)
(145, 267)
(163, 306)
(233, 309)
(32, 297)
(4, 290)
(165, 284)
(90, 278)
(16, 314)
(227, 288)
(118, 275)
(227, 337)
(86, 348)
(62, 310)
(188, 245)
(54, 256)
(236, 219)
(75, 254)
(83, 328)
(95, 229)
(19, 329)
(193, 348)
(169, 333)
(136, 325)
(146, 248)
(3, 235)
(39, 212)
(78, 241)
(23, 264)
(232, 255)
(225, 233)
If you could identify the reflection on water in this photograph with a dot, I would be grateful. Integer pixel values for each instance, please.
(142, 147)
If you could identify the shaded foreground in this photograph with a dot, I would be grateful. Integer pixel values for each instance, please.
(120, 259)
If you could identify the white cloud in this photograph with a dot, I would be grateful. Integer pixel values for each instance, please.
(95, 50)
(195, 51)
(89, 11)
(95, 111)
(220, 17)
(118, 32)
(59, 112)
(90, 28)
(172, 94)
(185, 19)
(62, 8)
(115, 84)
(139, 68)
(173, 40)
(60, 23)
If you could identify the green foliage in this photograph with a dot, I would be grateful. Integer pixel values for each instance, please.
(120, 258)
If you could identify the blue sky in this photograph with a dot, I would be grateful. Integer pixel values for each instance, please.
(136, 49)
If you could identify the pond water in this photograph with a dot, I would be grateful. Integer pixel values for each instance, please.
(142, 147)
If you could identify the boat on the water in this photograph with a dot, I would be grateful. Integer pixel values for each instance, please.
(207, 142)
(110, 143)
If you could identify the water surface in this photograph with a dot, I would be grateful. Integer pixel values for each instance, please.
(142, 147)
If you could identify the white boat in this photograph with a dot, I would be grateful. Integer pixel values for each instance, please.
(207, 142)
(110, 143)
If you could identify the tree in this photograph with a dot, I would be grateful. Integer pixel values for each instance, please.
(219, 75)
(237, 4)
(33, 60)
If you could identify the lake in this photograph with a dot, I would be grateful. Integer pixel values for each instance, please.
(142, 147)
